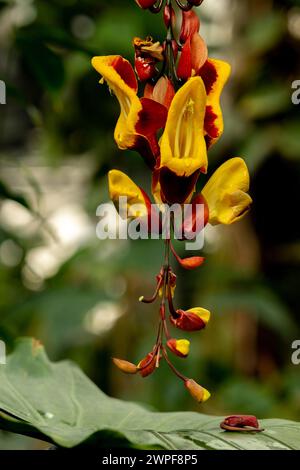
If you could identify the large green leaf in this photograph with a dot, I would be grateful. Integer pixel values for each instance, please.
(58, 403)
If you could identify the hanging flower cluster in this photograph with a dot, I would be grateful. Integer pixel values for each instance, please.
(172, 124)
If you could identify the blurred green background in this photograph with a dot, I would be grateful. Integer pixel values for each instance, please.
(79, 295)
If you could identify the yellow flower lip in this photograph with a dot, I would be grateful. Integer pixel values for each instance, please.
(180, 347)
(115, 70)
(215, 74)
(183, 346)
(201, 313)
(120, 185)
(226, 192)
(183, 147)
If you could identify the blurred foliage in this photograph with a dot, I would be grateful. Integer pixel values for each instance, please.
(79, 295)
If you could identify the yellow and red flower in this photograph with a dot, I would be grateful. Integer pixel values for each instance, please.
(173, 126)
(140, 119)
(180, 347)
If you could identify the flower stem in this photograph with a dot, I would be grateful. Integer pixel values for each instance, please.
(173, 368)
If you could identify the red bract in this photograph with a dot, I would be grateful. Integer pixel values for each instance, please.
(190, 25)
(169, 16)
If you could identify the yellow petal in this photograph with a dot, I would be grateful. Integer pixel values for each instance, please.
(183, 147)
(125, 134)
(214, 117)
(201, 313)
(226, 192)
(206, 395)
(183, 346)
(120, 185)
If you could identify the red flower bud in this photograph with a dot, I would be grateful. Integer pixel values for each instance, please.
(188, 263)
(199, 393)
(240, 423)
(169, 16)
(192, 263)
(193, 56)
(180, 347)
(145, 68)
(194, 319)
(145, 3)
(147, 365)
(190, 25)
(125, 366)
(147, 54)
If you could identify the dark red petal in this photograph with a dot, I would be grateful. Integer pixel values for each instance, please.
(240, 421)
(210, 123)
(184, 69)
(209, 75)
(152, 117)
(126, 72)
(176, 189)
(147, 148)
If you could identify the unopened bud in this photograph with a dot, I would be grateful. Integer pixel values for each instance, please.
(147, 365)
(192, 263)
(194, 319)
(200, 394)
(180, 347)
(169, 16)
(145, 68)
(190, 25)
(125, 366)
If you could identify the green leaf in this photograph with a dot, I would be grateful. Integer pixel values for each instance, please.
(58, 403)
